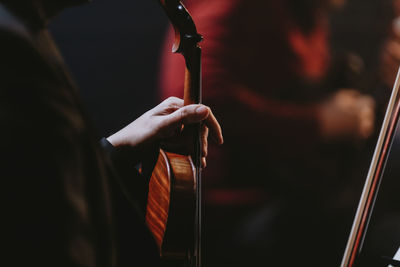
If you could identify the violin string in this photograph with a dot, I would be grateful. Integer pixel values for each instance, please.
(198, 176)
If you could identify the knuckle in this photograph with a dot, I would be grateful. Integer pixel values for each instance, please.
(205, 130)
(171, 103)
(182, 113)
(169, 100)
(172, 99)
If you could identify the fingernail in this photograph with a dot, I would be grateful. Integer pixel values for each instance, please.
(220, 141)
(203, 163)
(201, 110)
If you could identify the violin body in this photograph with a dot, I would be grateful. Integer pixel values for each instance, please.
(171, 204)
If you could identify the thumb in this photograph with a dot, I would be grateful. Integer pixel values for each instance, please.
(188, 114)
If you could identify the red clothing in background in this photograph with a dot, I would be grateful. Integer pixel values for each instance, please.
(257, 65)
(277, 193)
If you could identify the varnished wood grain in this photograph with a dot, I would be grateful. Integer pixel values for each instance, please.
(171, 205)
(159, 199)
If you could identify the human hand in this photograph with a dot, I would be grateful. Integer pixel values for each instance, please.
(390, 61)
(165, 123)
(390, 54)
(347, 114)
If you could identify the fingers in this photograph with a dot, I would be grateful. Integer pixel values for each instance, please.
(204, 141)
(187, 115)
(193, 114)
(169, 105)
(203, 162)
(366, 116)
(215, 129)
(347, 92)
(347, 98)
(394, 50)
(348, 114)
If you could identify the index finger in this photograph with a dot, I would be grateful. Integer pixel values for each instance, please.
(215, 128)
(169, 105)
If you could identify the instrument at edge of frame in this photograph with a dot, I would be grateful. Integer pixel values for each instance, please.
(173, 212)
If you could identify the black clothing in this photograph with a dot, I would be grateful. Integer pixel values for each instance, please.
(64, 204)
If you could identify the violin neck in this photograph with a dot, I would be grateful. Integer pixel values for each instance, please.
(192, 89)
(192, 95)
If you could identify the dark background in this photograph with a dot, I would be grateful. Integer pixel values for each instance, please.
(112, 49)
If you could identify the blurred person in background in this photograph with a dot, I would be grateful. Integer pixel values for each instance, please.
(298, 128)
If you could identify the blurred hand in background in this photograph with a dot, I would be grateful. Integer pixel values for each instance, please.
(347, 114)
(390, 58)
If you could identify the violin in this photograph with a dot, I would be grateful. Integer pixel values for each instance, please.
(373, 181)
(173, 212)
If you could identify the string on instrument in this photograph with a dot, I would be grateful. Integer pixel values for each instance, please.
(174, 208)
(374, 178)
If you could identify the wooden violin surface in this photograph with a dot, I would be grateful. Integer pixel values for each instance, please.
(171, 204)
(174, 208)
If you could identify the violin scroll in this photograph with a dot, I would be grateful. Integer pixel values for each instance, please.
(186, 36)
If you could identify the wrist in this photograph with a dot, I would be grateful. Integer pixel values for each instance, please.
(118, 139)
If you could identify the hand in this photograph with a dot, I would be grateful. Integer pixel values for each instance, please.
(347, 114)
(165, 122)
(390, 61)
(390, 55)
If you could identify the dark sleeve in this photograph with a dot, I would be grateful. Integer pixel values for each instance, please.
(129, 194)
(135, 244)
(45, 217)
(128, 156)
(57, 210)
(133, 168)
